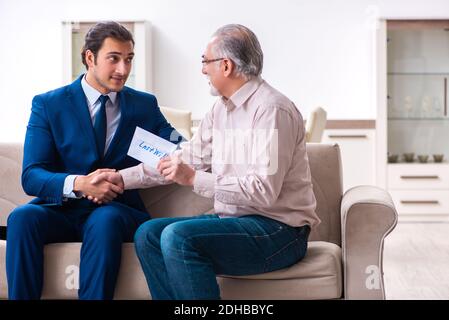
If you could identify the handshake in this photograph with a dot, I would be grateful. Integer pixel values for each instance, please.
(104, 185)
(100, 186)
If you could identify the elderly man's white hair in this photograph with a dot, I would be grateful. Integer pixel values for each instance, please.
(239, 44)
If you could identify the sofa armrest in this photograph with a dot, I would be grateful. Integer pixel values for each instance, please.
(368, 216)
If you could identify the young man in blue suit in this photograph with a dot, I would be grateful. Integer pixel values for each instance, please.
(72, 132)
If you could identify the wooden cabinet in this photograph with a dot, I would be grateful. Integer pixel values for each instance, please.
(420, 191)
(73, 41)
(357, 148)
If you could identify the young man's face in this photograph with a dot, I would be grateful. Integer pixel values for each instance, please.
(112, 67)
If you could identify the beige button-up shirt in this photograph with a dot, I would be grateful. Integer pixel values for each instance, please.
(249, 154)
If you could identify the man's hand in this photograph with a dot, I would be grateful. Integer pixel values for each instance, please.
(102, 191)
(174, 170)
(108, 175)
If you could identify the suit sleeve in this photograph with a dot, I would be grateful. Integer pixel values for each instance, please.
(39, 160)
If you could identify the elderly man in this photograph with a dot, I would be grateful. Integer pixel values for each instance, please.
(252, 142)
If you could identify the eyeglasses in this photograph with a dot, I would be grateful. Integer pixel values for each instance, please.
(207, 61)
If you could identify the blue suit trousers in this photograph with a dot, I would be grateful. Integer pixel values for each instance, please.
(101, 229)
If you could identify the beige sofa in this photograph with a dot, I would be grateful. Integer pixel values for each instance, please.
(344, 259)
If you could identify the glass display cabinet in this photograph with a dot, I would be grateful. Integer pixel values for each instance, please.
(418, 117)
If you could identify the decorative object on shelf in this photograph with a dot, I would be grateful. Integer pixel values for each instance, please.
(438, 157)
(393, 158)
(422, 158)
(409, 157)
(408, 106)
(437, 109)
(425, 107)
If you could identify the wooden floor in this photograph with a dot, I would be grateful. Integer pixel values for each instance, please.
(416, 261)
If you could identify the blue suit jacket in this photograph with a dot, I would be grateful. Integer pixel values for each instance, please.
(60, 140)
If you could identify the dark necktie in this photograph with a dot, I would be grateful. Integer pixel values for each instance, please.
(100, 126)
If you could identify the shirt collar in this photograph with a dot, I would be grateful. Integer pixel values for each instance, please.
(93, 94)
(242, 94)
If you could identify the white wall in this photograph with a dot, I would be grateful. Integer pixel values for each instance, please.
(317, 52)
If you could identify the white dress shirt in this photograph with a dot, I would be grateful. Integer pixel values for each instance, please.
(113, 119)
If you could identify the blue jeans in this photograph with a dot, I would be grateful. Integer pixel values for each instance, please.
(182, 256)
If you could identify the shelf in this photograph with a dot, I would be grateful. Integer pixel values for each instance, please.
(418, 73)
(418, 163)
(415, 119)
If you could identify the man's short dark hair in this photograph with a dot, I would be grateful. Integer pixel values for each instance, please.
(95, 37)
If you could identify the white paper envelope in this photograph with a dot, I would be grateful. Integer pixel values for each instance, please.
(149, 148)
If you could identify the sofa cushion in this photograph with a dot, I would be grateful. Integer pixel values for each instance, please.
(11, 192)
(317, 276)
(61, 273)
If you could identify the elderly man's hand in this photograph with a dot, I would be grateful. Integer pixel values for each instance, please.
(102, 176)
(98, 190)
(174, 170)
(103, 191)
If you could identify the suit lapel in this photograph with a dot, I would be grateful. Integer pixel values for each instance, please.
(81, 111)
